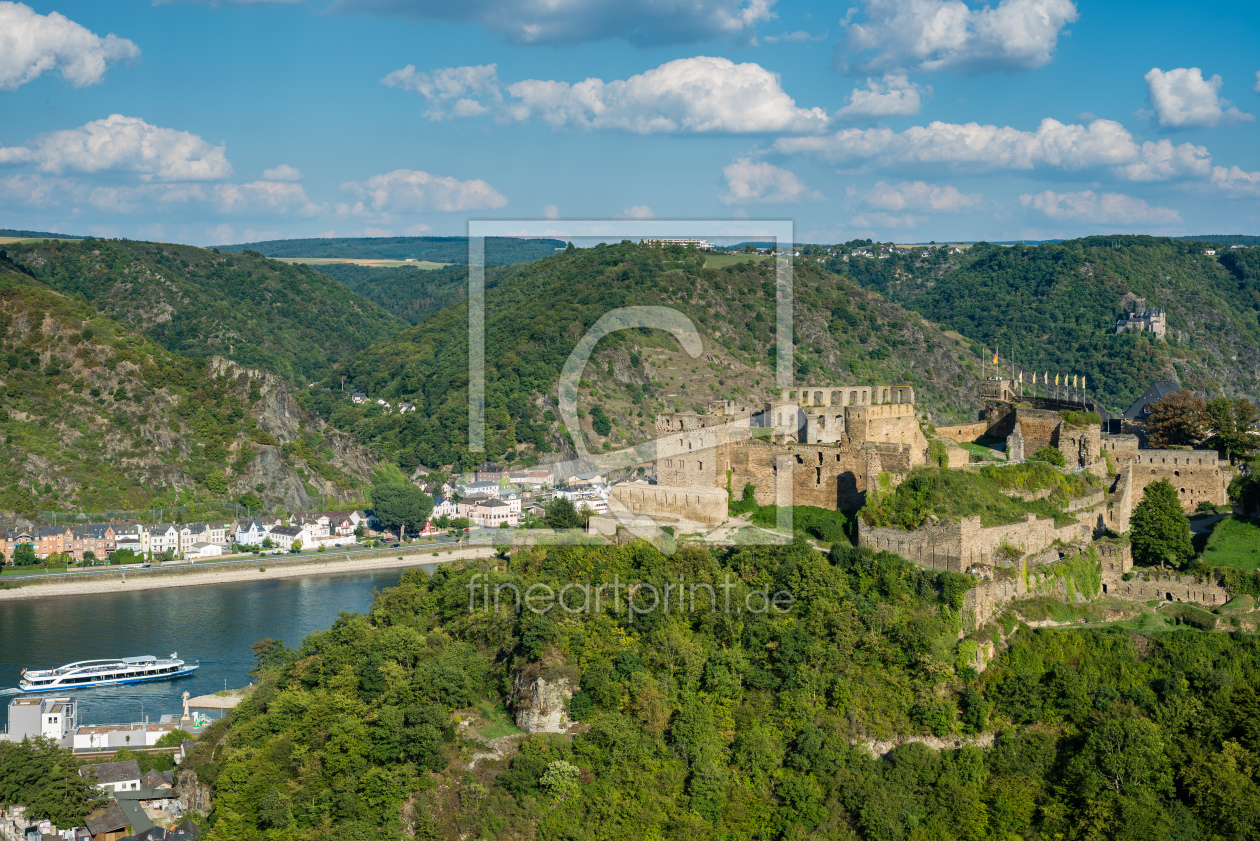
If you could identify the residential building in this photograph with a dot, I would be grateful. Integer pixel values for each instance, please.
(487, 488)
(97, 538)
(285, 536)
(491, 473)
(250, 532)
(164, 536)
(444, 508)
(114, 776)
(492, 513)
(52, 540)
(46, 718)
(466, 507)
(358, 398)
(204, 550)
(12, 538)
(219, 532)
(130, 535)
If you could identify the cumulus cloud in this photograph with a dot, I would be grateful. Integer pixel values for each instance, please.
(452, 91)
(414, 191)
(125, 144)
(642, 22)
(1182, 98)
(551, 212)
(1236, 181)
(701, 94)
(933, 35)
(257, 197)
(757, 182)
(1099, 208)
(281, 197)
(32, 44)
(284, 172)
(894, 95)
(976, 147)
(918, 196)
(798, 37)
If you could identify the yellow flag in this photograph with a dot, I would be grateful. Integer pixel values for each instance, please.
(995, 357)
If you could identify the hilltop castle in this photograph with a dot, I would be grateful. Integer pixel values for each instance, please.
(1143, 319)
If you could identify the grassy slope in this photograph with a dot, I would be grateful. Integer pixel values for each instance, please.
(96, 417)
(536, 313)
(197, 302)
(1055, 307)
(1234, 542)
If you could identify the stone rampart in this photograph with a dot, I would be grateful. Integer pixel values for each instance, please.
(960, 545)
(1167, 587)
(963, 433)
(695, 504)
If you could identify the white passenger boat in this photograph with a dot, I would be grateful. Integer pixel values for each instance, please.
(86, 674)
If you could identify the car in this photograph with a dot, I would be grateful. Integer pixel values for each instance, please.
(387, 540)
(338, 545)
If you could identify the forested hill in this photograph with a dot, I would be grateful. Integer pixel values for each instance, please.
(701, 724)
(537, 313)
(199, 302)
(96, 417)
(435, 249)
(1054, 307)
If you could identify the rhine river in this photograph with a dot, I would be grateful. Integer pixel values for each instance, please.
(214, 623)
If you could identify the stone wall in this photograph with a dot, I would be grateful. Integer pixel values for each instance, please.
(1170, 587)
(1197, 475)
(961, 545)
(695, 504)
(964, 432)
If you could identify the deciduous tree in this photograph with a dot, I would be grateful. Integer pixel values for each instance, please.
(1177, 420)
(401, 505)
(1159, 528)
(1230, 423)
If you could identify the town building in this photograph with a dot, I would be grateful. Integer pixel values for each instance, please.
(114, 776)
(43, 718)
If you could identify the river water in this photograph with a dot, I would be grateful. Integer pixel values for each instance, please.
(213, 623)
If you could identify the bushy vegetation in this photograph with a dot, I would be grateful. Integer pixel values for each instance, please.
(45, 779)
(408, 292)
(708, 725)
(197, 302)
(1234, 542)
(931, 492)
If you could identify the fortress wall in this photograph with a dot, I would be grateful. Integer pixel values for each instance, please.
(960, 545)
(1172, 588)
(1197, 475)
(963, 433)
(701, 505)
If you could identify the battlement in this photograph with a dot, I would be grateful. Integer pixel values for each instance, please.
(835, 395)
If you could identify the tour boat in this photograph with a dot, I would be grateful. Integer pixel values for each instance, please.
(86, 674)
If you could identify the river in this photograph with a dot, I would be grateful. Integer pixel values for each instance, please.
(215, 624)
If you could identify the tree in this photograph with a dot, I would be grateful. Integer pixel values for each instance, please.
(24, 555)
(562, 515)
(1159, 528)
(296, 547)
(401, 505)
(251, 502)
(1230, 423)
(1177, 420)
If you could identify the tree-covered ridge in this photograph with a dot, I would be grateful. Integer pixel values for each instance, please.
(98, 418)
(198, 302)
(498, 250)
(413, 294)
(1054, 308)
(704, 724)
(535, 315)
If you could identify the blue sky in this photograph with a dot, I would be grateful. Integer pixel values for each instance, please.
(906, 120)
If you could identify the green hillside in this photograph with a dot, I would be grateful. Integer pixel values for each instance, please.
(855, 713)
(199, 302)
(434, 249)
(1053, 307)
(95, 417)
(535, 314)
(410, 293)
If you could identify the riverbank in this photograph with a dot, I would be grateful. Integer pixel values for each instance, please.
(266, 568)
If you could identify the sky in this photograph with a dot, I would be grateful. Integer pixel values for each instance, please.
(904, 120)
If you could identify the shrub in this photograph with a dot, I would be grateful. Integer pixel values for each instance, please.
(1053, 455)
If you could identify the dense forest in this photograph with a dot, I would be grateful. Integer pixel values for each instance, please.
(199, 302)
(411, 293)
(705, 724)
(1054, 307)
(536, 313)
(95, 417)
(498, 250)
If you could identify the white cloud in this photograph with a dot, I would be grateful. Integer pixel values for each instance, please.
(1236, 181)
(221, 235)
(638, 211)
(551, 212)
(284, 172)
(798, 37)
(466, 86)
(934, 35)
(642, 22)
(1182, 98)
(413, 191)
(1099, 208)
(918, 195)
(126, 144)
(975, 147)
(283, 197)
(32, 44)
(416, 230)
(749, 182)
(15, 155)
(894, 95)
(1160, 160)
(701, 94)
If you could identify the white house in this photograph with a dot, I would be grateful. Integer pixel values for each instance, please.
(444, 508)
(250, 533)
(163, 536)
(114, 776)
(492, 513)
(285, 536)
(467, 506)
(204, 550)
(490, 489)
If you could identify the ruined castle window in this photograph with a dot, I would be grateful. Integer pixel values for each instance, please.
(822, 421)
(680, 463)
(852, 398)
(818, 398)
(800, 460)
(701, 467)
(837, 456)
(1176, 472)
(820, 456)
(669, 462)
(818, 475)
(1183, 490)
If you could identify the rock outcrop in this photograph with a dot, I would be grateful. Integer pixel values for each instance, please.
(543, 707)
